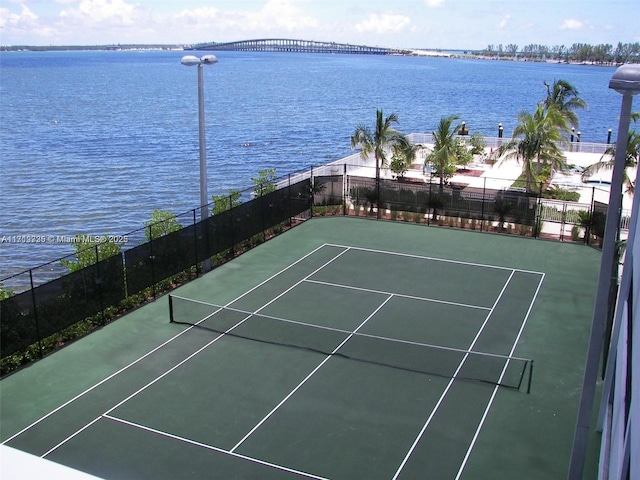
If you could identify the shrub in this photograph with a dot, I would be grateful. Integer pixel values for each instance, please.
(561, 194)
(576, 230)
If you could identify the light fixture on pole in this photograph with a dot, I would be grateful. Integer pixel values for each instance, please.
(192, 61)
(626, 81)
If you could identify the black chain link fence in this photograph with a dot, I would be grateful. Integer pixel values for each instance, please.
(48, 314)
(35, 321)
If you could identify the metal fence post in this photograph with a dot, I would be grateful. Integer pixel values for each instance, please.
(195, 244)
(592, 214)
(262, 215)
(537, 226)
(289, 197)
(344, 190)
(152, 258)
(312, 193)
(563, 221)
(99, 283)
(378, 192)
(429, 200)
(124, 274)
(232, 230)
(35, 313)
(484, 199)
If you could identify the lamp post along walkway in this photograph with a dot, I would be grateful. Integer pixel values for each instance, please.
(193, 61)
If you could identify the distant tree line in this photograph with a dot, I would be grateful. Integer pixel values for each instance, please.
(603, 54)
(65, 48)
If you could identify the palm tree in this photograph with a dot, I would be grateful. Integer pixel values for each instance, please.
(444, 154)
(565, 98)
(502, 208)
(379, 142)
(608, 157)
(585, 219)
(535, 142)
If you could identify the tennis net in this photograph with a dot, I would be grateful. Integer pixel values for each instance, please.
(465, 365)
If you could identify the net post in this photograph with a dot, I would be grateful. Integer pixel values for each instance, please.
(170, 308)
(523, 373)
(530, 376)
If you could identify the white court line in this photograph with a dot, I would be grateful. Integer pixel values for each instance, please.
(140, 390)
(215, 449)
(450, 384)
(68, 402)
(495, 390)
(238, 298)
(137, 392)
(309, 376)
(435, 259)
(126, 367)
(67, 439)
(351, 332)
(411, 297)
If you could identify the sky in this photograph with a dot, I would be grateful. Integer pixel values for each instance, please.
(413, 24)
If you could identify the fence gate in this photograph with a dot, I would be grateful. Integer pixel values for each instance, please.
(568, 221)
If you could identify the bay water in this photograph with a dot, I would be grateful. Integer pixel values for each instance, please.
(92, 142)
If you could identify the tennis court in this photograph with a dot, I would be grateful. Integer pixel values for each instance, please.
(327, 352)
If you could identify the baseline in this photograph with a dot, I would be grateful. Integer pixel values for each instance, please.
(118, 374)
(448, 387)
(184, 361)
(495, 390)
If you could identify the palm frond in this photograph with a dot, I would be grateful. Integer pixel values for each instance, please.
(379, 140)
(565, 98)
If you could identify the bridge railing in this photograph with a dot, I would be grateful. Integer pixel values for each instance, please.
(295, 45)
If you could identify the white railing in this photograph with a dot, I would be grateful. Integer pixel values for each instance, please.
(495, 142)
(354, 159)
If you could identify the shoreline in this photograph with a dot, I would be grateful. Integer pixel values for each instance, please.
(410, 52)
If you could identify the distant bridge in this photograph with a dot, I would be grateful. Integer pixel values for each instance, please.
(305, 46)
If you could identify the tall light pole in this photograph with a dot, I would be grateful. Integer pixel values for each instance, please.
(192, 61)
(626, 81)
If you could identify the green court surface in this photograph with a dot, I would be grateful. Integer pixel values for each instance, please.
(343, 349)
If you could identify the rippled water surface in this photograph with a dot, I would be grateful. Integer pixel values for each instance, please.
(92, 142)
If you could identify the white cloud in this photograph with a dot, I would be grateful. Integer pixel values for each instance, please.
(383, 23)
(23, 26)
(103, 12)
(571, 24)
(24, 18)
(276, 17)
(505, 20)
(283, 14)
(124, 21)
(442, 23)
